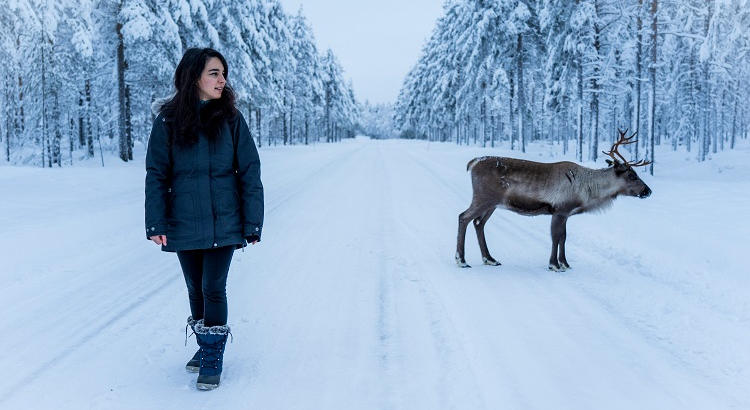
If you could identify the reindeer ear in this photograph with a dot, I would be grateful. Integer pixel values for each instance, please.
(609, 162)
(620, 168)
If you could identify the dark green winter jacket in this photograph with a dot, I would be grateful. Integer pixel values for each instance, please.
(205, 195)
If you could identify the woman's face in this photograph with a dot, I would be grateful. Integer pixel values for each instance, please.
(212, 80)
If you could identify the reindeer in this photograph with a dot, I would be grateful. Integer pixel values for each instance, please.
(560, 189)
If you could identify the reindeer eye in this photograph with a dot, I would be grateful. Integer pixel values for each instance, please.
(632, 177)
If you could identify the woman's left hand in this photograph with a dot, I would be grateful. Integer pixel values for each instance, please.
(159, 239)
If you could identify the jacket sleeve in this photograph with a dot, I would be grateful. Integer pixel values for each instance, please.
(248, 176)
(158, 171)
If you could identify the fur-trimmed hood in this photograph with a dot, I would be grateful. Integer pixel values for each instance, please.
(158, 103)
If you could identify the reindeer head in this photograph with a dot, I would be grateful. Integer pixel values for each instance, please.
(632, 185)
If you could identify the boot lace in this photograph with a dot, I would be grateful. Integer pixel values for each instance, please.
(186, 333)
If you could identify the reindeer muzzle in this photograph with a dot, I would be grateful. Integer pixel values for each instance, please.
(645, 193)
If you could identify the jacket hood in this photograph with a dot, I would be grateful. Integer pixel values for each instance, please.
(158, 103)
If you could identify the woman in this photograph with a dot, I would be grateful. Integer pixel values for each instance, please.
(204, 197)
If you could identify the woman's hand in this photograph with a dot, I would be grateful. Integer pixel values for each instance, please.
(159, 239)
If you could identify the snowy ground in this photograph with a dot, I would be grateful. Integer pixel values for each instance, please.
(353, 300)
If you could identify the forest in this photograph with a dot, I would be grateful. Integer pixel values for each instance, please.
(574, 72)
(81, 75)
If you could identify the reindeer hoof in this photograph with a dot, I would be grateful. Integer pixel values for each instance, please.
(461, 262)
(491, 262)
(555, 268)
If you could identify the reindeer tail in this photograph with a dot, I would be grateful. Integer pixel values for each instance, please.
(473, 162)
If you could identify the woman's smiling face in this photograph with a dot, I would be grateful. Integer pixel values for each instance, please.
(212, 80)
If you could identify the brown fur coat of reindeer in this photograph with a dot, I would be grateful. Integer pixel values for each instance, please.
(560, 189)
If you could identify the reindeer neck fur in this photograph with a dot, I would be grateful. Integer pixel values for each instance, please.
(597, 188)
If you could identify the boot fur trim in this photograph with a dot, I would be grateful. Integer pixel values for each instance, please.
(213, 330)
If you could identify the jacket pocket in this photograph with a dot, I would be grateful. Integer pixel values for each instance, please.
(229, 203)
(182, 217)
(228, 220)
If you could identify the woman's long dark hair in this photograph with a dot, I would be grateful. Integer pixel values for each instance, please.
(183, 111)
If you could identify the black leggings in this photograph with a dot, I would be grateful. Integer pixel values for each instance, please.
(205, 273)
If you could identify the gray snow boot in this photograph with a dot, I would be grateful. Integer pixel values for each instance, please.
(212, 341)
(194, 364)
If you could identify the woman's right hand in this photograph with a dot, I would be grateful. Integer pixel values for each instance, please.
(159, 239)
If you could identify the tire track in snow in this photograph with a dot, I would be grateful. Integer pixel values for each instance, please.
(389, 340)
(322, 293)
(303, 185)
(456, 382)
(89, 332)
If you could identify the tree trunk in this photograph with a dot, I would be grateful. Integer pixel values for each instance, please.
(81, 129)
(638, 58)
(734, 121)
(99, 139)
(706, 92)
(628, 108)
(723, 111)
(521, 93)
(511, 90)
(495, 120)
(72, 144)
(652, 98)
(250, 122)
(128, 123)
(713, 126)
(291, 124)
(87, 119)
(614, 121)
(44, 97)
(121, 94)
(328, 115)
(565, 133)
(579, 115)
(693, 102)
(19, 122)
(594, 144)
(7, 138)
(284, 130)
(258, 124)
(483, 112)
(307, 121)
(56, 149)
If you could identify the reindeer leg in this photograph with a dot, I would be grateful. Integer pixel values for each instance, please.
(463, 222)
(561, 258)
(479, 227)
(557, 227)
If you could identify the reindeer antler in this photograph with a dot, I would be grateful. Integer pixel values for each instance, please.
(623, 140)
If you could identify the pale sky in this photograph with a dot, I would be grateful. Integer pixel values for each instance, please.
(376, 41)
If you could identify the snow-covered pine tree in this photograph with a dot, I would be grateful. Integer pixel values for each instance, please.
(307, 85)
(567, 28)
(151, 39)
(333, 85)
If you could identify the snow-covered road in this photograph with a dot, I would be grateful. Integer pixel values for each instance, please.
(353, 300)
